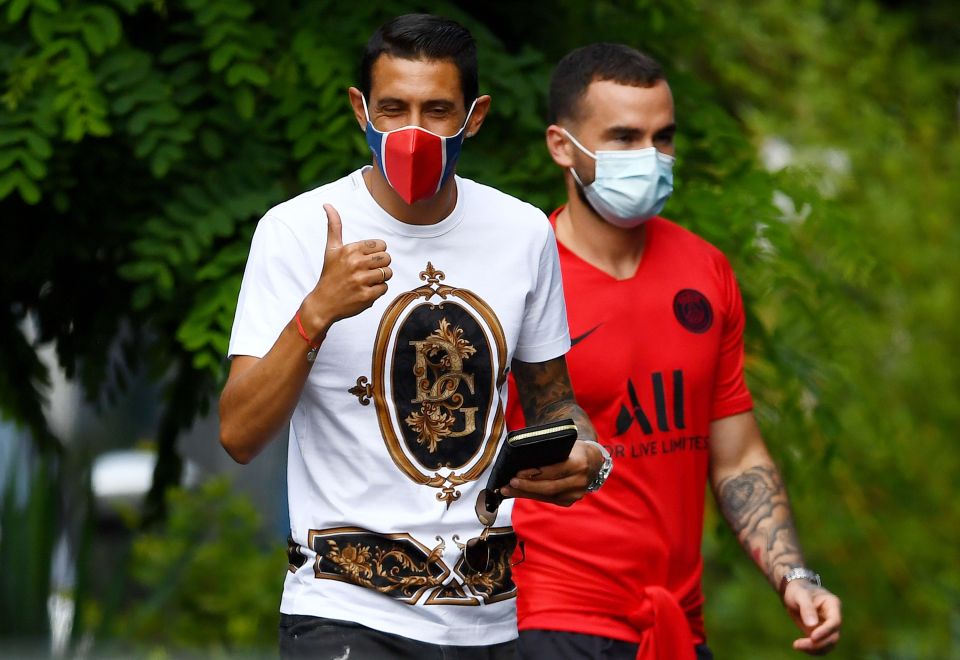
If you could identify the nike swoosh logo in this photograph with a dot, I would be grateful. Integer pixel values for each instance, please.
(576, 340)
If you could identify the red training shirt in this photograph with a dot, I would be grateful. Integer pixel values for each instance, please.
(655, 359)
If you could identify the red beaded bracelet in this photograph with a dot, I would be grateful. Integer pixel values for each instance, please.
(312, 353)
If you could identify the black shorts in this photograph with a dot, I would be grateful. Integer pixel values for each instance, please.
(317, 638)
(556, 645)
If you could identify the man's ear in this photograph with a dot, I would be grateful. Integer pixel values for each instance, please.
(356, 102)
(480, 110)
(559, 146)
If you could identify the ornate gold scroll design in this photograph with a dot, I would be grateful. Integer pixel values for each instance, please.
(376, 390)
(438, 398)
(398, 566)
(363, 390)
(395, 565)
(495, 583)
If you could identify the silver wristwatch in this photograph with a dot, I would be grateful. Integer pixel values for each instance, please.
(605, 469)
(798, 573)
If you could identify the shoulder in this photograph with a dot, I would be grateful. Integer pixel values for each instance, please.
(498, 208)
(671, 236)
(701, 265)
(305, 211)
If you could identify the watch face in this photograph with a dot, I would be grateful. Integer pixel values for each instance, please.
(601, 477)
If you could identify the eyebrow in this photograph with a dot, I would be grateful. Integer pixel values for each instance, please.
(388, 100)
(634, 132)
(623, 130)
(669, 129)
(440, 104)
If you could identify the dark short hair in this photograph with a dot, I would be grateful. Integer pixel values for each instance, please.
(428, 37)
(601, 61)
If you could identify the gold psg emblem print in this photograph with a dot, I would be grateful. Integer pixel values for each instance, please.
(439, 362)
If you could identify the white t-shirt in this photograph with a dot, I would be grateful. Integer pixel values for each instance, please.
(402, 413)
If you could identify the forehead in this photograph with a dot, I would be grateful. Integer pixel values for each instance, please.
(414, 80)
(607, 103)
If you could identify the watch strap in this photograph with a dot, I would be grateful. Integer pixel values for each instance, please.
(799, 573)
(605, 468)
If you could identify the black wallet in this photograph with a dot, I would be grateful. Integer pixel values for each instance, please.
(530, 447)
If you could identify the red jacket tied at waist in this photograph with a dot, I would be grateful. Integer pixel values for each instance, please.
(666, 633)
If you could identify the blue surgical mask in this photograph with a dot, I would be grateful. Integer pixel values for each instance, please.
(630, 187)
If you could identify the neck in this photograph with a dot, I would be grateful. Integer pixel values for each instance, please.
(614, 250)
(428, 211)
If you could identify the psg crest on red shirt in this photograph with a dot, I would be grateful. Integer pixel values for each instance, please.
(693, 310)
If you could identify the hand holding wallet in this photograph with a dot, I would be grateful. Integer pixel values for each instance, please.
(530, 447)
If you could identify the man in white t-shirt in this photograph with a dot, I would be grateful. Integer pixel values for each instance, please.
(379, 315)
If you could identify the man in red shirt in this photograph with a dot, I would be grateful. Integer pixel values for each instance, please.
(656, 320)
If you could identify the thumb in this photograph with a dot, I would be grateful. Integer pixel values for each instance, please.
(334, 228)
(808, 611)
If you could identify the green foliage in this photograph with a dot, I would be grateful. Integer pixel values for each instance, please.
(28, 517)
(203, 581)
(872, 120)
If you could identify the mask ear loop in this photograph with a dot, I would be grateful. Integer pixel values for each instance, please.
(366, 112)
(469, 114)
(578, 145)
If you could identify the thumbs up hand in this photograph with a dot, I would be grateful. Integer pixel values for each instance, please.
(353, 277)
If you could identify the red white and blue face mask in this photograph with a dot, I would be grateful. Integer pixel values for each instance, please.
(415, 162)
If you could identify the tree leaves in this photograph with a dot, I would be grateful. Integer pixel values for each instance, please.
(25, 148)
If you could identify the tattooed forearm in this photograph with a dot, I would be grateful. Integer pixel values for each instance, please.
(546, 395)
(543, 387)
(568, 409)
(755, 505)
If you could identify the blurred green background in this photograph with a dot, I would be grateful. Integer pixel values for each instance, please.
(140, 141)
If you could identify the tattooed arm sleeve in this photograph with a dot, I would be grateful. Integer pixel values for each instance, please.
(751, 495)
(546, 395)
